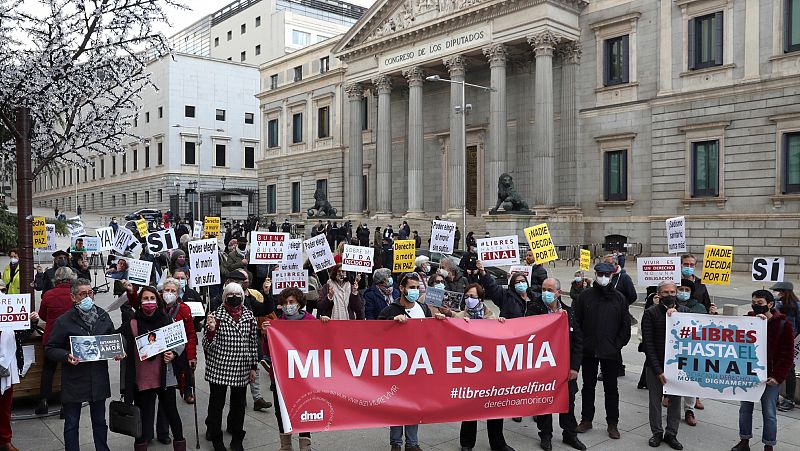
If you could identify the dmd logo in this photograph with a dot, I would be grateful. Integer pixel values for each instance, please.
(307, 416)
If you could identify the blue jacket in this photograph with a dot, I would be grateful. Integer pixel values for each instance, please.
(374, 302)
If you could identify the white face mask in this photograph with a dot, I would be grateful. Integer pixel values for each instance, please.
(603, 280)
(170, 297)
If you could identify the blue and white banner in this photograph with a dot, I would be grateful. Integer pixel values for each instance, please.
(717, 357)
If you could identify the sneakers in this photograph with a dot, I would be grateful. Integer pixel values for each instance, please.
(786, 405)
(584, 426)
(690, 419)
(260, 404)
(673, 442)
(743, 445)
(613, 432)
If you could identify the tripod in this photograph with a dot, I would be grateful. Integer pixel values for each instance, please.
(95, 263)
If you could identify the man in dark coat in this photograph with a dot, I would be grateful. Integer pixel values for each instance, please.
(538, 272)
(82, 381)
(699, 292)
(601, 313)
(60, 258)
(362, 233)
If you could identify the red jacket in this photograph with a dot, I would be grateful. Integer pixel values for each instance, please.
(780, 346)
(185, 314)
(55, 302)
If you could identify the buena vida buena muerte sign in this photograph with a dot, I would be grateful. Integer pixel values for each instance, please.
(435, 48)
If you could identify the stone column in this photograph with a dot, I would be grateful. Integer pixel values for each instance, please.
(455, 175)
(416, 193)
(569, 179)
(383, 157)
(543, 163)
(355, 199)
(496, 153)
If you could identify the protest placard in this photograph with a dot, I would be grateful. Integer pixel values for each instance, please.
(162, 339)
(452, 300)
(676, 235)
(91, 348)
(39, 232)
(768, 269)
(197, 230)
(211, 227)
(141, 227)
(90, 244)
(293, 257)
(524, 269)
(267, 248)
(196, 308)
(106, 236)
(358, 258)
(75, 227)
(52, 246)
(541, 244)
(319, 252)
(139, 271)
(123, 240)
(15, 312)
(797, 350)
(653, 270)
(162, 241)
(203, 263)
(434, 296)
(292, 278)
(717, 264)
(405, 251)
(586, 259)
(499, 251)
(443, 235)
(716, 357)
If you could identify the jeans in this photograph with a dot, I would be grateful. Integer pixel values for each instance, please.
(610, 369)
(396, 435)
(216, 404)
(255, 387)
(469, 433)
(277, 405)
(72, 420)
(769, 435)
(656, 392)
(688, 403)
(146, 400)
(566, 421)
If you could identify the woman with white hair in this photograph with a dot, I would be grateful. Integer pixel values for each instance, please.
(422, 266)
(231, 348)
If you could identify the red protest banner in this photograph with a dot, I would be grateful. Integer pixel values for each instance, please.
(361, 374)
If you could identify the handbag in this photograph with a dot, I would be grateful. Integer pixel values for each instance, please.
(124, 418)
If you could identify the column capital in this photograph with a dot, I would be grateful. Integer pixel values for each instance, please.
(414, 75)
(355, 91)
(456, 65)
(543, 43)
(496, 53)
(383, 83)
(570, 52)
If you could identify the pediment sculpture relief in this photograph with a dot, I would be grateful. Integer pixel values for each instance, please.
(415, 12)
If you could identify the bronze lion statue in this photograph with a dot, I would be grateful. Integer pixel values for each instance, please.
(507, 196)
(321, 206)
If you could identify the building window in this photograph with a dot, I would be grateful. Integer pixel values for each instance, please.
(135, 198)
(249, 118)
(161, 195)
(792, 26)
(102, 167)
(136, 121)
(216, 42)
(791, 163)
(364, 114)
(324, 64)
(273, 81)
(298, 73)
(230, 35)
(243, 28)
(124, 165)
(147, 117)
(160, 148)
(615, 170)
(113, 200)
(124, 200)
(258, 50)
(219, 155)
(249, 157)
(322, 187)
(258, 21)
(364, 191)
(301, 38)
(189, 153)
(272, 199)
(188, 111)
(243, 56)
(135, 159)
(147, 197)
(230, 58)
(113, 165)
(297, 128)
(146, 156)
(160, 112)
(272, 133)
(94, 169)
(705, 41)
(295, 197)
(220, 115)
(323, 122)
(705, 168)
(615, 64)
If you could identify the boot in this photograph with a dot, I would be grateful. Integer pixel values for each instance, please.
(41, 409)
(236, 441)
(286, 442)
(218, 444)
(305, 443)
(179, 445)
(140, 446)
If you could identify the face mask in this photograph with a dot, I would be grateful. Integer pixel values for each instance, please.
(234, 301)
(412, 295)
(427, 269)
(86, 304)
(14, 261)
(340, 277)
(148, 309)
(578, 279)
(683, 296)
(760, 309)
(291, 309)
(548, 297)
(180, 261)
(61, 263)
(170, 298)
(668, 301)
(114, 221)
(439, 286)
(389, 282)
(603, 280)
(472, 302)
(687, 271)
(181, 284)
(521, 287)
(442, 272)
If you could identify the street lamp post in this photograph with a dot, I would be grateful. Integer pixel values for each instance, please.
(462, 110)
(197, 160)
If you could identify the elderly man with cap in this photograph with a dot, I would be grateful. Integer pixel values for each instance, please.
(601, 313)
(60, 259)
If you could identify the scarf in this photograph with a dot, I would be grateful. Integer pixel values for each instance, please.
(235, 312)
(149, 323)
(341, 295)
(477, 312)
(89, 317)
(300, 315)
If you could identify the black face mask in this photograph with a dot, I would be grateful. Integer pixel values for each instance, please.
(760, 309)
(61, 263)
(234, 301)
(669, 301)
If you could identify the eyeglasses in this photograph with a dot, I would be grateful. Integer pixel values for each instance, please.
(409, 275)
(84, 294)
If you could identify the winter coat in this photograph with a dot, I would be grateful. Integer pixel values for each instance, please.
(229, 262)
(374, 302)
(487, 313)
(654, 330)
(575, 336)
(692, 306)
(54, 303)
(700, 293)
(780, 346)
(538, 276)
(49, 279)
(575, 290)
(232, 350)
(184, 313)
(12, 282)
(457, 285)
(510, 303)
(794, 319)
(86, 381)
(623, 283)
(355, 305)
(603, 317)
(395, 309)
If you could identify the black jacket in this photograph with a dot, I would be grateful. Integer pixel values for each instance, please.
(538, 275)
(395, 309)
(86, 381)
(603, 318)
(654, 329)
(623, 283)
(510, 303)
(374, 302)
(575, 336)
(700, 293)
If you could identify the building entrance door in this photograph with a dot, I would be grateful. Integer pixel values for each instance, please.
(471, 195)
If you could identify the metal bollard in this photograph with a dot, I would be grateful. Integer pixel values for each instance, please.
(730, 309)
